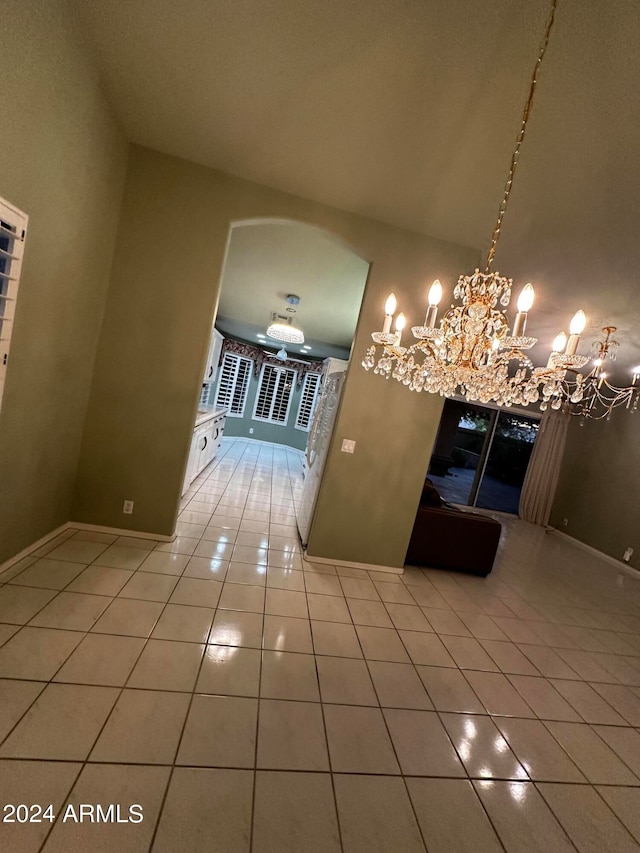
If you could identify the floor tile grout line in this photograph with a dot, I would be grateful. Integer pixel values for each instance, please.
(393, 746)
(506, 673)
(385, 707)
(120, 690)
(592, 728)
(257, 740)
(188, 710)
(469, 777)
(66, 797)
(450, 739)
(50, 680)
(128, 686)
(499, 671)
(179, 743)
(326, 738)
(350, 598)
(562, 748)
(439, 776)
(543, 645)
(457, 666)
(616, 817)
(557, 818)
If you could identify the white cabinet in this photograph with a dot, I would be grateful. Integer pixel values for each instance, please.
(194, 458)
(213, 356)
(204, 445)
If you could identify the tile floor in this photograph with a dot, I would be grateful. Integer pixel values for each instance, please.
(252, 701)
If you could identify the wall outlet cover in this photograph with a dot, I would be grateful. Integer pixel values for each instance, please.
(348, 445)
(627, 554)
(127, 507)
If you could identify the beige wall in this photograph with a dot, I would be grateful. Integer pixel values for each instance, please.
(599, 491)
(163, 294)
(62, 162)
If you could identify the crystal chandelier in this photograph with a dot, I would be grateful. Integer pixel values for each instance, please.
(474, 351)
(592, 395)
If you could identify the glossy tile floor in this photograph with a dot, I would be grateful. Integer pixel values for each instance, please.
(251, 701)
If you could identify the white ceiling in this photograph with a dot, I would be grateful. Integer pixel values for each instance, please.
(266, 261)
(406, 111)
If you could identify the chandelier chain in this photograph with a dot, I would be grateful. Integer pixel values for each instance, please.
(477, 353)
(523, 127)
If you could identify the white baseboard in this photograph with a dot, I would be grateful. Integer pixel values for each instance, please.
(33, 547)
(370, 567)
(121, 531)
(78, 525)
(263, 441)
(619, 564)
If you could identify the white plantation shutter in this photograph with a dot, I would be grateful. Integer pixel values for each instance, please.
(274, 394)
(13, 226)
(308, 401)
(233, 384)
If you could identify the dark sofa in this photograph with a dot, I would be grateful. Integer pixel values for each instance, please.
(446, 537)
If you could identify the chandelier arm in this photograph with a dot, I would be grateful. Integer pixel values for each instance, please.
(617, 390)
(516, 151)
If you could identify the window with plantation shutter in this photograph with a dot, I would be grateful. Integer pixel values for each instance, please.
(233, 384)
(274, 394)
(308, 399)
(13, 225)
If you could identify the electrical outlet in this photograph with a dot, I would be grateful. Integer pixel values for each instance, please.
(127, 507)
(627, 554)
(565, 521)
(348, 445)
(250, 430)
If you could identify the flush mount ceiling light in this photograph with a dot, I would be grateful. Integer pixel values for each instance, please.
(282, 328)
(475, 352)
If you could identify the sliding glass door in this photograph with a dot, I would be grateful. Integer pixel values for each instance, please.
(481, 456)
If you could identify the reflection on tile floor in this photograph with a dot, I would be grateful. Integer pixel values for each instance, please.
(252, 701)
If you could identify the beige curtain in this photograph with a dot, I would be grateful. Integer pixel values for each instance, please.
(539, 487)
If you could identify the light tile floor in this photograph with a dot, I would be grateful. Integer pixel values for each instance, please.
(252, 701)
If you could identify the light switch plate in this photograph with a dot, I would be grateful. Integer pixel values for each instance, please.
(348, 446)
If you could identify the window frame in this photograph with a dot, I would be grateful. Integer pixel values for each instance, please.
(238, 359)
(280, 372)
(11, 257)
(314, 401)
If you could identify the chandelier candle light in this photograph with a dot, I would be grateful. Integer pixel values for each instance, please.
(472, 352)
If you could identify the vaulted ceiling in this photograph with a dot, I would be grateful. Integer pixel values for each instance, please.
(406, 111)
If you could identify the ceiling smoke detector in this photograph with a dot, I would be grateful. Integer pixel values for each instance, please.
(292, 299)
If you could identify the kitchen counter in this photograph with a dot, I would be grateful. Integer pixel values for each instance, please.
(207, 414)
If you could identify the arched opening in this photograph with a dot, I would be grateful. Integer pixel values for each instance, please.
(277, 386)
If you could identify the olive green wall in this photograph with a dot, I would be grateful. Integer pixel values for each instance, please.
(598, 491)
(163, 296)
(62, 162)
(367, 502)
